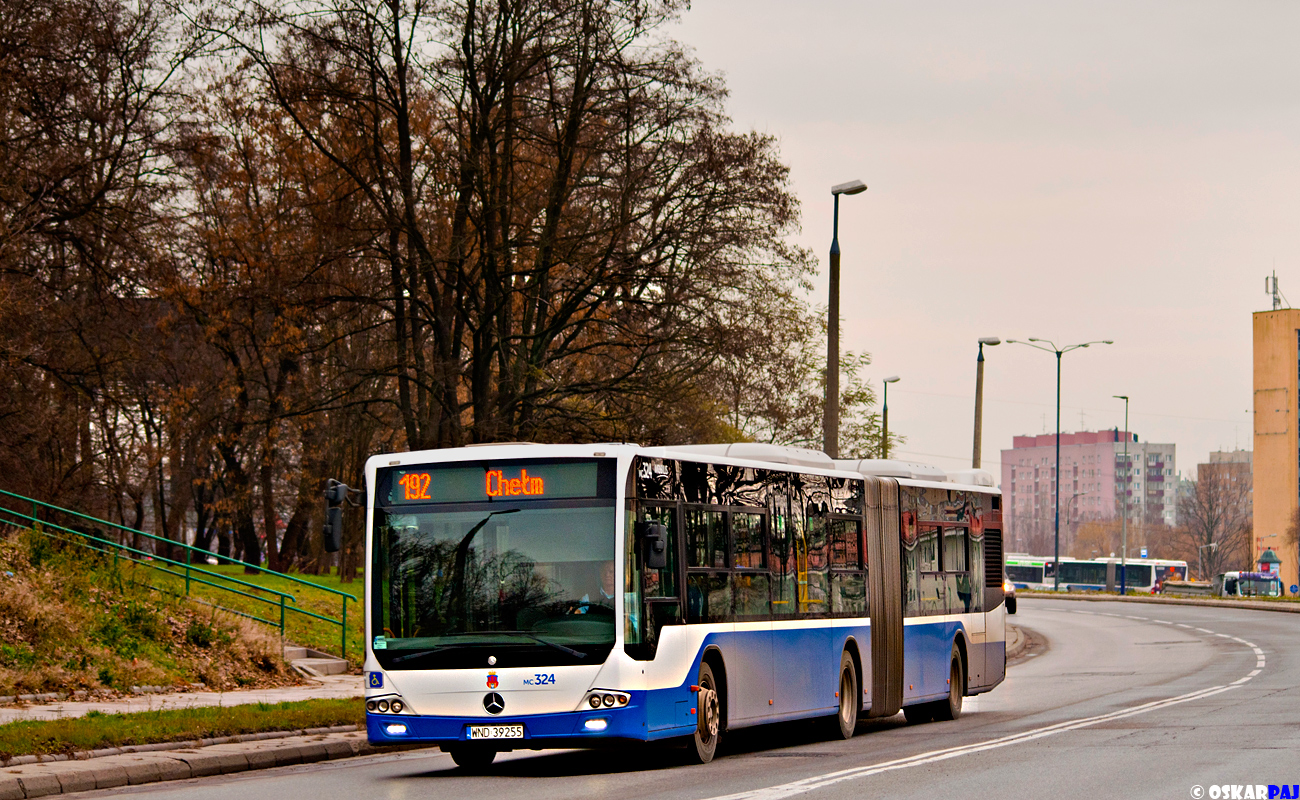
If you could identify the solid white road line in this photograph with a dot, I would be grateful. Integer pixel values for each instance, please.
(828, 779)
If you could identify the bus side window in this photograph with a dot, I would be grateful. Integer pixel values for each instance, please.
(783, 565)
(956, 567)
(708, 591)
(814, 569)
(706, 539)
(930, 582)
(848, 572)
(749, 581)
(954, 550)
(927, 547)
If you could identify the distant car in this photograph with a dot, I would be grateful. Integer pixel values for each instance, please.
(1009, 591)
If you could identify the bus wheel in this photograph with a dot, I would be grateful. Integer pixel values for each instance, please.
(472, 759)
(951, 708)
(849, 697)
(708, 729)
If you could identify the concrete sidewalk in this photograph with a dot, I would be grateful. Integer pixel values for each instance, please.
(323, 687)
(133, 768)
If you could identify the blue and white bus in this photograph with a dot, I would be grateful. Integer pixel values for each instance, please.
(541, 596)
(1141, 575)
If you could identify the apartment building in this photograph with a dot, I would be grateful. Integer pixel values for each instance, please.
(1097, 483)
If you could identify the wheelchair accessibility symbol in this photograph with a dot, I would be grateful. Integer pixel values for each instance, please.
(376, 680)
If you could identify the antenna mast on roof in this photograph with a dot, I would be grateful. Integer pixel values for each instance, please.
(1270, 288)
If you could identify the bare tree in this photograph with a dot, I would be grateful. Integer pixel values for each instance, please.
(565, 227)
(1215, 523)
(84, 85)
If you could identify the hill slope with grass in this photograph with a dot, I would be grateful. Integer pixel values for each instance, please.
(74, 619)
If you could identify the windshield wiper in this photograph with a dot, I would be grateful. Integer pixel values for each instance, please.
(533, 636)
(428, 651)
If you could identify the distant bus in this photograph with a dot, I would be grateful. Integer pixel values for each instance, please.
(1144, 575)
(1247, 584)
(546, 596)
(1026, 571)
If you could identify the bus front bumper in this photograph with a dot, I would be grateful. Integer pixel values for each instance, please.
(568, 729)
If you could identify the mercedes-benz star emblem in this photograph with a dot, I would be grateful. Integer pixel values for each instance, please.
(492, 661)
(494, 703)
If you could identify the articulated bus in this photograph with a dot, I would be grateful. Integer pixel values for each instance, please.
(1027, 572)
(1142, 575)
(542, 596)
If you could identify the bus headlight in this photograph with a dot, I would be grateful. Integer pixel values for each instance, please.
(604, 698)
(386, 705)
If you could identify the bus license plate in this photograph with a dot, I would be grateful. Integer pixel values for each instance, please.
(496, 731)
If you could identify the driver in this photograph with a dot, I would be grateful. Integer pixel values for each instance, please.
(606, 597)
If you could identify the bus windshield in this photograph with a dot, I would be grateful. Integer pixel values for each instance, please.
(530, 583)
(1023, 574)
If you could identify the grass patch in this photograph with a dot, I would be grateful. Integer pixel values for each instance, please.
(96, 730)
(304, 630)
(72, 618)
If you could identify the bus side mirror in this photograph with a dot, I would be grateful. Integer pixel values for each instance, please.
(336, 494)
(333, 529)
(654, 543)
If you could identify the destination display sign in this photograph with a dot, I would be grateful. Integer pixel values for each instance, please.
(497, 480)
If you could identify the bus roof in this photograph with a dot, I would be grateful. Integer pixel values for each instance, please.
(738, 453)
(1258, 576)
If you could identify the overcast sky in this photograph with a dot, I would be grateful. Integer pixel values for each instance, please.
(1123, 171)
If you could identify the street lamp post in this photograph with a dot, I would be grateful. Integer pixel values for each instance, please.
(979, 398)
(884, 417)
(1037, 344)
(831, 411)
(1123, 537)
(1200, 557)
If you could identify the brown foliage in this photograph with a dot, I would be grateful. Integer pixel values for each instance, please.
(357, 227)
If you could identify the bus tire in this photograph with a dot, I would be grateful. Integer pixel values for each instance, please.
(1011, 604)
(951, 708)
(472, 759)
(703, 745)
(850, 697)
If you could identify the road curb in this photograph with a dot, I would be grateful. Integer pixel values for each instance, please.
(82, 755)
(1016, 641)
(22, 781)
(1290, 608)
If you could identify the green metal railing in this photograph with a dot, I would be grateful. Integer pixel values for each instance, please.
(284, 602)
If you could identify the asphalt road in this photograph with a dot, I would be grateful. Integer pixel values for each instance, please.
(1125, 701)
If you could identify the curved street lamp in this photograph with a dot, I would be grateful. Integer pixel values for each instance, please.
(1048, 346)
(979, 397)
(831, 410)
